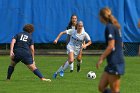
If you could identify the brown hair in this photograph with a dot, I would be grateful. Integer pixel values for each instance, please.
(106, 14)
(28, 28)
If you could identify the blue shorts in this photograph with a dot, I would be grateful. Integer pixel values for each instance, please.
(23, 56)
(118, 69)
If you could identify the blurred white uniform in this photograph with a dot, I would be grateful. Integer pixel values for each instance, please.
(76, 41)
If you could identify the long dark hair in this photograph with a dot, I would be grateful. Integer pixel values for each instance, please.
(70, 23)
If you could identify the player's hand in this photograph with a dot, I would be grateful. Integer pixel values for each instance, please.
(99, 63)
(84, 46)
(55, 41)
(12, 54)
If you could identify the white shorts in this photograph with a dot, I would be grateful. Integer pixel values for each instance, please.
(73, 49)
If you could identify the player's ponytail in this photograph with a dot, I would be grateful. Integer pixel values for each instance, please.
(106, 14)
(114, 21)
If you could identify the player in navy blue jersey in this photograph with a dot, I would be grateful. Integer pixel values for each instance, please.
(22, 49)
(113, 52)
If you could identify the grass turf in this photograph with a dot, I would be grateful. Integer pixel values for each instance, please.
(24, 81)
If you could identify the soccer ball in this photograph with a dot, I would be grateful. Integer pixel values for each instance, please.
(91, 75)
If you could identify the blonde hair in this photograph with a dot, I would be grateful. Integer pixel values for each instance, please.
(106, 14)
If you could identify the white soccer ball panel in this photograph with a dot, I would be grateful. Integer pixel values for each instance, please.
(91, 75)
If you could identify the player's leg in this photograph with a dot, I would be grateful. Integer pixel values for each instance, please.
(10, 69)
(36, 71)
(65, 65)
(114, 81)
(70, 60)
(71, 67)
(79, 60)
(103, 83)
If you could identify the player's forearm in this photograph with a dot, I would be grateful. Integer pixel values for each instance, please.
(12, 45)
(61, 33)
(89, 43)
(33, 53)
(106, 52)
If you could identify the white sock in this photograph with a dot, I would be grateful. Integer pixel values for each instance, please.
(61, 68)
(66, 65)
(71, 66)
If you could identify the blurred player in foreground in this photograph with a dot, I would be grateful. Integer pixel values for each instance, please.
(113, 52)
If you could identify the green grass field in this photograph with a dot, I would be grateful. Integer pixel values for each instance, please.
(24, 81)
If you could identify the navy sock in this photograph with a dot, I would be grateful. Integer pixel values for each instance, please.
(38, 73)
(10, 71)
(107, 90)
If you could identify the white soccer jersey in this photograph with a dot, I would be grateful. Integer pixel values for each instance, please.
(76, 40)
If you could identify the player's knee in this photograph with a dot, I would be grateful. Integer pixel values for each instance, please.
(32, 67)
(79, 58)
(13, 64)
(101, 88)
(71, 61)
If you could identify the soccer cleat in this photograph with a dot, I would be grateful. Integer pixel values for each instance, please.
(44, 79)
(78, 67)
(61, 73)
(71, 71)
(54, 75)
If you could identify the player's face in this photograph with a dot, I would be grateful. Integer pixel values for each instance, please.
(102, 20)
(79, 27)
(74, 19)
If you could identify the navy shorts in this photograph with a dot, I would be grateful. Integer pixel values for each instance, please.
(118, 69)
(23, 56)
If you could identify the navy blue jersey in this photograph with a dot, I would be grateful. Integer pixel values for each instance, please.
(116, 56)
(23, 40)
(22, 48)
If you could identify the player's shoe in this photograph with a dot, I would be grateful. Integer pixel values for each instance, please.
(71, 71)
(44, 79)
(54, 75)
(61, 73)
(78, 67)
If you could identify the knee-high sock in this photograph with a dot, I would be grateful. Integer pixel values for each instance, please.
(10, 71)
(71, 66)
(65, 66)
(60, 68)
(38, 73)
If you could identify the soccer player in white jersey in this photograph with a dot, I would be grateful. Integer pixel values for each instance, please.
(75, 45)
(72, 25)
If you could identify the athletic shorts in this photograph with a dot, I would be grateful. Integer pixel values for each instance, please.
(23, 56)
(73, 49)
(118, 69)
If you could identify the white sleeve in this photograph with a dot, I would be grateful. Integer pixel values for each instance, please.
(69, 31)
(87, 37)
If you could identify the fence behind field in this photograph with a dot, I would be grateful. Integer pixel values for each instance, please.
(130, 49)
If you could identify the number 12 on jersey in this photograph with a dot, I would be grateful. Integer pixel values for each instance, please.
(24, 38)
